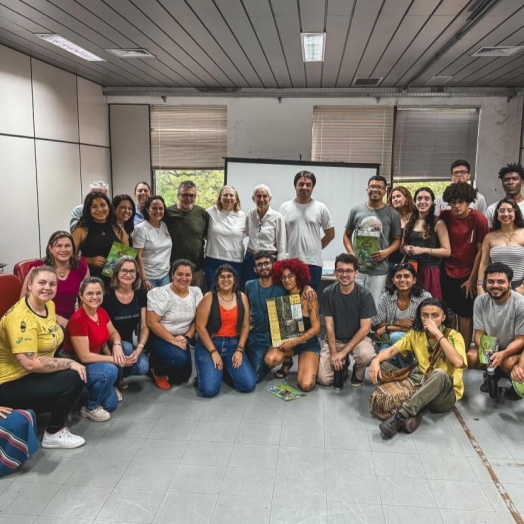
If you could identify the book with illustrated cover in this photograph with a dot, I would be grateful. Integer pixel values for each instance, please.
(285, 318)
(117, 250)
(285, 392)
(364, 246)
(383, 339)
(488, 346)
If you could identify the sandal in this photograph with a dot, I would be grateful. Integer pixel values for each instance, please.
(284, 370)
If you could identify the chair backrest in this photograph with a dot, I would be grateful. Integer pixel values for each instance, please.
(22, 268)
(10, 289)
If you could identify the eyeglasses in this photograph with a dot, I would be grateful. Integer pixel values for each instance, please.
(405, 265)
(456, 174)
(506, 211)
(128, 272)
(377, 188)
(344, 271)
(263, 264)
(91, 294)
(187, 196)
(289, 276)
(226, 277)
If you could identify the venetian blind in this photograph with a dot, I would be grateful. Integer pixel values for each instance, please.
(428, 140)
(360, 134)
(188, 137)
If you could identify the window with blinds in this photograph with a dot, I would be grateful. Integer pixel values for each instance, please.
(354, 134)
(188, 137)
(428, 140)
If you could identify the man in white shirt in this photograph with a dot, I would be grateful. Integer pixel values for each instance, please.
(460, 172)
(98, 186)
(305, 218)
(512, 178)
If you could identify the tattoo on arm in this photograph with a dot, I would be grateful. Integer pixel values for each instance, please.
(56, 364)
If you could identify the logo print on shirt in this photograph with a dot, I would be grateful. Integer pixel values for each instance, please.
(22, 326)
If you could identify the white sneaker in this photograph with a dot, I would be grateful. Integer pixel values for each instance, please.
(98, 414)
(118, 395)
(63, 439)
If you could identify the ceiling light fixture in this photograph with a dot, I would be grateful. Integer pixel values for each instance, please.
(131, 53)
(313, 46)
(69, 46)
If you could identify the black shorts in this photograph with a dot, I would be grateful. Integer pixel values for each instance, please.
(454, 296)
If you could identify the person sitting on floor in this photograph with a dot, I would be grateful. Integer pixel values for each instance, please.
(499, 313)
(443, 386)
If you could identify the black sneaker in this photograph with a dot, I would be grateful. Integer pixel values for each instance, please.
(391, 425)
(410, 424)
(354, 381)
(484, 386)
(511, 394)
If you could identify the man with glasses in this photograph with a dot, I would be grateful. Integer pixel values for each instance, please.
(460, 172)
(187, 224)
(373, 219)
(512, 178)
(347, 308)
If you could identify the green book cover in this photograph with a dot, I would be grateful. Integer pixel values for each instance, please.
(285, 392)
(364, 246)
(488, 346)
(285, 318)
(117, 250)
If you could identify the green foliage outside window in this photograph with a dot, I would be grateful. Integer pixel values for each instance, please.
(437, 187)
(208, 182)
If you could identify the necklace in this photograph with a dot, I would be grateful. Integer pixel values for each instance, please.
(225, 299)
(63, 273)
(508, 236)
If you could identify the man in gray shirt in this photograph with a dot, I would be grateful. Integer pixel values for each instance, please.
(499, 313)
(347, 308)
(373, 224)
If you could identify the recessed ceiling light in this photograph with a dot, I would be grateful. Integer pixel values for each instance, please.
(71, 47)
(499, 50)
(313, 45)
(131, 53)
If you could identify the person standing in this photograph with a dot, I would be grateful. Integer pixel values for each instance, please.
(304, 218)
(98, 186)
(142, 194)
(460, 172)
(374, 218)
(187, 223)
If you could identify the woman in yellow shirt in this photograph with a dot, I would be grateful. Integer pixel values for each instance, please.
(30, 376)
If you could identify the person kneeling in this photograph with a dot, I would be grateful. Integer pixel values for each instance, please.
(498, 313)
(443, 385)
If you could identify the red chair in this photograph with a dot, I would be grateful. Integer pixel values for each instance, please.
(22, 268)
(10, 289)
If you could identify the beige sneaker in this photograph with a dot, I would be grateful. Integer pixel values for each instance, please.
(118, 395)
(98, 414)
(122, 384)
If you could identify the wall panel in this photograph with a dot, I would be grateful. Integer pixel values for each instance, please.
(92, 114)
(95, 164)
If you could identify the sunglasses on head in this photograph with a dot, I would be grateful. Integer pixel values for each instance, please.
(403, 265)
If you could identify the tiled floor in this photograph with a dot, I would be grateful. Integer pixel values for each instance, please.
(172, 457)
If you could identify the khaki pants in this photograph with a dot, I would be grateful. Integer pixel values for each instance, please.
(437, 393)
(363, 352)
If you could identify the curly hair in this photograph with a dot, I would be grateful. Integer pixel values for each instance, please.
(409, 199)
(129, 224)
(416, 289)
(147, 205)
(49, 259)
(87, 219)
(461, 191)
(498, 267)
(519, 220)
(448, 320)
(296, 266)
(512, 168)
(429, 221)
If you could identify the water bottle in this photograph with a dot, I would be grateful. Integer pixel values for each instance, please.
(338, 384)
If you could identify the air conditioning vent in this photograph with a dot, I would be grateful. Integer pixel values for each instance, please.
(438, 80)
(367, 82)
(501, 50)
(131, 53)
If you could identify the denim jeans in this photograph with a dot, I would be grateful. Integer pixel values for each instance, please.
(256, 353)
(315, 272)
(212, 264)
(171, 361)
(159, 282)
(140, 367)
(210, 378)
(101, 379)
(398, 360)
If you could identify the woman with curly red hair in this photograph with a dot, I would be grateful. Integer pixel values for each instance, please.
(294, 276)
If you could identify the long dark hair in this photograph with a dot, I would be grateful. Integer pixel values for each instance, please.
(147, 205)
(87, 220)
(429, 221)
(129, 224)
(519, 220)
(416, 289)
(418, 326)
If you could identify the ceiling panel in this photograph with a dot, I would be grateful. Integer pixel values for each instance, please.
(256, 43)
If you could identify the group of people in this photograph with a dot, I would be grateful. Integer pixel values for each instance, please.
(75, 335)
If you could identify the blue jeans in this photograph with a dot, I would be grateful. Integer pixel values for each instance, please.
(210, 378)
(256, 353)
(159, 282)
(316, 274)
(101, 379)
(140, 367)
(398, 360)
(212, 264)
(171, 361)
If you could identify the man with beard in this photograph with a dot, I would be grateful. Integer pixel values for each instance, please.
(499, 313)
(512, 178)
(304, 218)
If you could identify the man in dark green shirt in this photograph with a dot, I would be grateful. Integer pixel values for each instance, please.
(187, 224)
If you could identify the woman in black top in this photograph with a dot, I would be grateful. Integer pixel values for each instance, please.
(96, 231)
(125, 303)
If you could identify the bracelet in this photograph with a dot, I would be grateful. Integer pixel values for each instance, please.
(240, 346)
(140, 346)
(441, 338)
(213, 351)
(118, 344)
(239, 350)
(430, 252)
(479, 282)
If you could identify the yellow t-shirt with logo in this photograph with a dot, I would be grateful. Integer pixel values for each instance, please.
(416, 342)
(23, 331)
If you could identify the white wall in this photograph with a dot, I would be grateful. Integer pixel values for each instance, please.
(267, 128)
(54, 140)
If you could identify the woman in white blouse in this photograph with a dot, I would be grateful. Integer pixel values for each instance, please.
(266, 231)
(225, 235)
